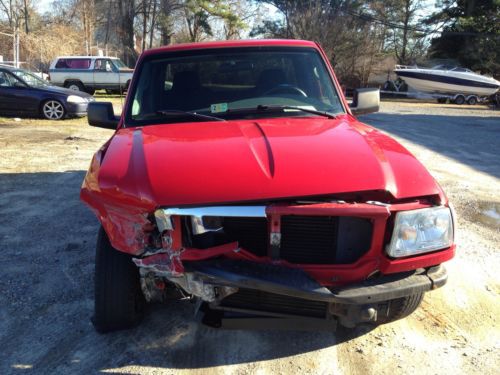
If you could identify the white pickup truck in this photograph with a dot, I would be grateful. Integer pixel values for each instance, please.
(90, 73)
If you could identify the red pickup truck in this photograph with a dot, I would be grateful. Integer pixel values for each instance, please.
(239, 177)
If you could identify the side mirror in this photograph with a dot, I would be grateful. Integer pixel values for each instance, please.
(102, 115)
(365, 101)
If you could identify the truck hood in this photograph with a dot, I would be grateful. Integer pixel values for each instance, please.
(220, 162)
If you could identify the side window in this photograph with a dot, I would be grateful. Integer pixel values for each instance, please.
(109, 66)
(62, 64)
(4, 80)
(73, 64)
(9, 80)
(103, 65)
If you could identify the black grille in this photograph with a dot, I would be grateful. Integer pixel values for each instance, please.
(255, 300)
(305, 239)
(308, 239)
(250, 232)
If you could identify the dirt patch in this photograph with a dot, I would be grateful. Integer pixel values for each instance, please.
(480, 212)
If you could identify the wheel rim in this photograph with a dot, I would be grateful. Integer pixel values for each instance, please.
(53, 110)
(74, 87)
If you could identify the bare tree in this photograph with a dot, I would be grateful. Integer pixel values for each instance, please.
(154, 18)
(86, 12)
(407, 41)
(127, 14)
(15, 11)
(339, 26)
(168, 12)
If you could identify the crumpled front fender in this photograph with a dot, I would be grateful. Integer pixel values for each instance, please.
(124, 217)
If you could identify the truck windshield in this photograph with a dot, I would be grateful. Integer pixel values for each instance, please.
(119, 64)
(231, 84)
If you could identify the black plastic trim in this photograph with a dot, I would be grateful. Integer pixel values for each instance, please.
(296, 283)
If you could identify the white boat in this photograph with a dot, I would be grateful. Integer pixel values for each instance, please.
(444, 80)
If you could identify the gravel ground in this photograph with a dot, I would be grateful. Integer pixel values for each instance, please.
(47, 238)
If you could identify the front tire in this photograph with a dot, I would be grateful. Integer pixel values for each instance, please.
(53, 110)
(119, 302)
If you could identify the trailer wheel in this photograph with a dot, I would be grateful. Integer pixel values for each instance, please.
(472, 100)
(459, 99)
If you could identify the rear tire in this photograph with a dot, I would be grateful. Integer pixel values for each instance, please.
(75, 86)
(119, 302)
(400, 308)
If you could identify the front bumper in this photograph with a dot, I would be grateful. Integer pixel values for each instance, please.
(76, 109)
(294, 282)
(251, 295)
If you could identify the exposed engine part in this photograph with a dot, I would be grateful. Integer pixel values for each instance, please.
(159, 289)
(207, 292)
(158, 243)
(163, 221)
(152, 287)
(351, 315)
(275, 239)
(167, 262)
(162, 264)
(166, 240)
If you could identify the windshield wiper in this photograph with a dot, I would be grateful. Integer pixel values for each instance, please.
(277, 107)
(199, 116)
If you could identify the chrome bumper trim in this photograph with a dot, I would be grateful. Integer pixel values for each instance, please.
(164, 222)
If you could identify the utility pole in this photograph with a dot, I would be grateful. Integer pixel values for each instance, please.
(16, 38)
(14, 48)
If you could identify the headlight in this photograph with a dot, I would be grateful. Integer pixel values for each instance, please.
(421, 231)
(75, 99)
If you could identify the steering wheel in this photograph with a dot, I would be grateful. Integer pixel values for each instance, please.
(283, 89)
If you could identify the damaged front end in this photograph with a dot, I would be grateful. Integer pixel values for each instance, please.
(320, 263)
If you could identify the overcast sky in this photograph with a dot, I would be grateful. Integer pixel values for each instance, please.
(43, 5)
